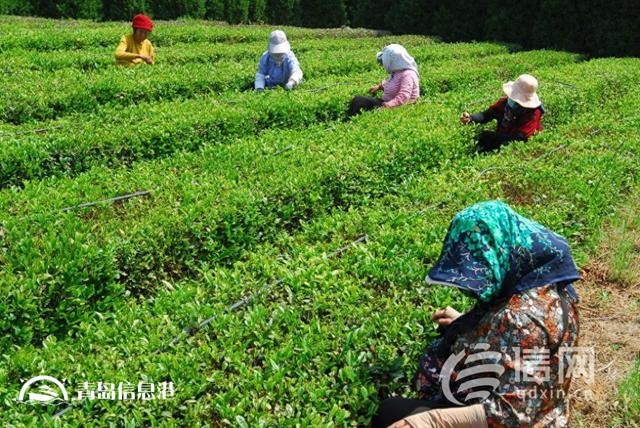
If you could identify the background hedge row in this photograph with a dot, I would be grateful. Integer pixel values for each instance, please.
(595, 27)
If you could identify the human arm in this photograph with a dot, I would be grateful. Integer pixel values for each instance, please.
(121, 51)
(295, 72)
(375, 88)
(152, 55)
(482, 117)
(445, 316)
(504, 339)
(493, 112)
(260, 81)
(149, 56)
(456, 417)
(405, 87)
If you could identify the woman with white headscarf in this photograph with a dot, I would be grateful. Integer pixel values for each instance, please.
(278, 66)
(402, 86)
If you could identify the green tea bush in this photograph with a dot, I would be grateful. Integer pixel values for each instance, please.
(155, 131)
(261, 197)
(221, 226)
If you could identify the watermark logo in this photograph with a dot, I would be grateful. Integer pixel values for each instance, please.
(479, 382)
(125, 391)
(473, 373)
(582, 363)
(50, 391)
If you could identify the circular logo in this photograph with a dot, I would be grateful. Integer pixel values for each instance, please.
(50, 391)
(480, 376)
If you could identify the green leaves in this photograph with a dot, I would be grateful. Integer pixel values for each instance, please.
(252, 189)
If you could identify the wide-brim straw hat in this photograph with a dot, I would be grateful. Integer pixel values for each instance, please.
(523, 91)
(278, 43)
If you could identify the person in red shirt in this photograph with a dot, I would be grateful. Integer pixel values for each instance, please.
(519, 115)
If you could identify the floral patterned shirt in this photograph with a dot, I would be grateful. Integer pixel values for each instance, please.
(526, 336)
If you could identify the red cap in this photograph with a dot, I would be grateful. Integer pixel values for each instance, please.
(143, 22)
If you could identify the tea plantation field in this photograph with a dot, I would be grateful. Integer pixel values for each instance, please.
(273, 268)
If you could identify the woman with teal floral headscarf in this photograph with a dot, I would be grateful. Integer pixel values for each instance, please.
(506, 362)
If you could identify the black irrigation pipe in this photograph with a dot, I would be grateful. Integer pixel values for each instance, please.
(440, 204)
(250, 298)
(31, 131)
(567, 85)
(443, 202)
(109, 200)
(193, 330)
(190, 331)
(63, 411)
(240, 101)
(115, 199)
(562, 146)
(245, 301)
(322, 88)
(544, 155)
(281, 151)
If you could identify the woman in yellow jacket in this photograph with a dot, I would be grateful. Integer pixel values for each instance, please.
(136, 48)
